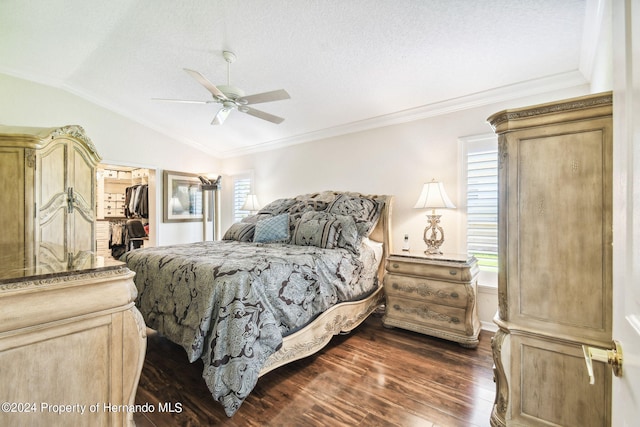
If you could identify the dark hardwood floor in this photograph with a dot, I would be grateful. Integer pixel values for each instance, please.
(372, 377)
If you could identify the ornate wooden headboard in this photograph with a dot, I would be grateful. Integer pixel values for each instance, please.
(382, 232)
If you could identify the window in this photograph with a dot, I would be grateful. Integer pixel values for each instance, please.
(482, 203)
(241, 187)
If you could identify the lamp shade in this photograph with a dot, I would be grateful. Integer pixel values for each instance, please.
(251, 203)
(433, 196)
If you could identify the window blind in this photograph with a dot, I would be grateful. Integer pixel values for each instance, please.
(241, 187)
(482, 207)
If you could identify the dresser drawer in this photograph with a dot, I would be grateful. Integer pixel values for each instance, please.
(426, 314)
(436, 291)
(461, 273)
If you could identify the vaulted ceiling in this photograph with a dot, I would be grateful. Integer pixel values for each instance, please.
(347, 65)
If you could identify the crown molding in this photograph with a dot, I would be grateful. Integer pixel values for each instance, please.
(501, 94)
(505, 93)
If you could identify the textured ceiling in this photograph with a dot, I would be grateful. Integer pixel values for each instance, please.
(347, 65)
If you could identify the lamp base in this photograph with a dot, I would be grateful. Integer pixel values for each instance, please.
(433, 235)
(432, 251)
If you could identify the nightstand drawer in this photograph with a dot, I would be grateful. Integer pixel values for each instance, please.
(420, 313)
(432, 269)
(436, 291)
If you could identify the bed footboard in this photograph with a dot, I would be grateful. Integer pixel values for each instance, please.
(309, 340)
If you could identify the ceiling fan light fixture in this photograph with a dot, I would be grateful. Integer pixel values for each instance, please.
(233, 98)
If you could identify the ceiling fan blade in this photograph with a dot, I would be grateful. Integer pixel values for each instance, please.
(221, 116)
(207, 84)
(275, 95)
(184, 101)
(261, 115)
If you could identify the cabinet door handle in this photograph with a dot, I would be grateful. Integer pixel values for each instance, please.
(613, 357)
(70, 200)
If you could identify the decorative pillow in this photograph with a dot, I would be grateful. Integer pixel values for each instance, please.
(273, 229)
(277, 207)
(365, 211)
(253, 219)
(348, 237)
(322, 232)
(303, 206)
(240, 231)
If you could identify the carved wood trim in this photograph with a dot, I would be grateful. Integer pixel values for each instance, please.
(55, 280)
(340, 318)
(569, 105)
(77, 132)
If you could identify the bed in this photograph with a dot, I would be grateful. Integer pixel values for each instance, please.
(278, 286)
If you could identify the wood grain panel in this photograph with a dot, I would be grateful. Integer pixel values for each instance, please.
(546, 372)
(561, 220)
(12, 238)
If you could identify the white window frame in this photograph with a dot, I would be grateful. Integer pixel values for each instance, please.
(476, 144)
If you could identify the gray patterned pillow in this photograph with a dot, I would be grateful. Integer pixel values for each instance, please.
(277, 207)
(240, 231)
(365, 211)
(252, 219)
(348, 237)
(303, 206)
(322, 232)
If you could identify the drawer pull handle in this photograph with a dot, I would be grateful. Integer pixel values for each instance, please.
(454, 295)
(453, 272)
(395, 265)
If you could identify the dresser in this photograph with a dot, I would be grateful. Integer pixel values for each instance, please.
(433, 295)
(555, 273)
(72, 344)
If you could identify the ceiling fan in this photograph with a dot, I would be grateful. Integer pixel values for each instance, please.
(232, 97)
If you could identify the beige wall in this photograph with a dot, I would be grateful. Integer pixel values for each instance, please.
(394, 160)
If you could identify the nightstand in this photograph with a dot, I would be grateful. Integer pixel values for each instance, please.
(434, 295)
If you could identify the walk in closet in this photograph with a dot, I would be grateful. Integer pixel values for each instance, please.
(123, 194)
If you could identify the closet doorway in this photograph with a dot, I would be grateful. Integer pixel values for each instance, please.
(125, 194)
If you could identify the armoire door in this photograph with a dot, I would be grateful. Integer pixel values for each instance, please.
(64, 191)
(16, 217)
(51, 204)
(81, 218)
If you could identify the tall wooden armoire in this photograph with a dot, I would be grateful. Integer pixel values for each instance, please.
(555, 273)
(47, 177)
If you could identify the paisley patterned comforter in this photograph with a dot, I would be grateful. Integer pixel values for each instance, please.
(230, 302)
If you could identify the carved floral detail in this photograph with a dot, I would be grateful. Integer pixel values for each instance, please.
(503, 305)
(30, 157)
(502, 387)
(503, 153)
(77, 132)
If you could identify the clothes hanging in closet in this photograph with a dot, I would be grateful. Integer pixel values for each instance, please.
(136, 202)
(117, 236)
